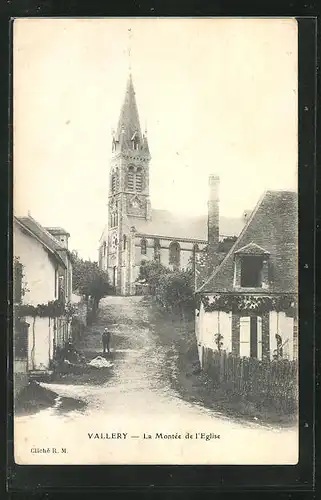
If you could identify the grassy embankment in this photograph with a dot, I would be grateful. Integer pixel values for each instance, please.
(193, 385)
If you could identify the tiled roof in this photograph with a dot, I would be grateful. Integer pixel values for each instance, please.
(273, 225)
(57, 230)
(44, 236)
(251, 249)
(177, 226)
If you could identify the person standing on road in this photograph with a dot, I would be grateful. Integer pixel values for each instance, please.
(106, 337)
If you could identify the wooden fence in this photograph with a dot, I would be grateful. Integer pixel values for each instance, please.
(271, 383)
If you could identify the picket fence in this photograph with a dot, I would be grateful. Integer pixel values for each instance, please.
(270, 383)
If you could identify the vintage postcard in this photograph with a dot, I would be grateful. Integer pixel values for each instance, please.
(155, 241)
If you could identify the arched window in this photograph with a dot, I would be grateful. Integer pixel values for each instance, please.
(105, 248)
(157, 250)
(113, 219)
(139, 180)
(174, 254)
(124, 242)
(130, 178)
(113, 182)
(143, 246)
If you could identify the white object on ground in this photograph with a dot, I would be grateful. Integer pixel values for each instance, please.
(100, 362)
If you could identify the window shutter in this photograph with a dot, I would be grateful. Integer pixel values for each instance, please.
(245, 336)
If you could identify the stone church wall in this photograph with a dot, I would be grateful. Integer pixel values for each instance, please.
(185, 258)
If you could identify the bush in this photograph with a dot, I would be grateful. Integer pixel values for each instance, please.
(173, 289)
(90, 280)
(150, 271)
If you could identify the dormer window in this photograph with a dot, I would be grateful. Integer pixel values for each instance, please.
(251, 271)
(251, 267)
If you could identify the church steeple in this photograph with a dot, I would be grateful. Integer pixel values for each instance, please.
(128, 196)
(128, 135)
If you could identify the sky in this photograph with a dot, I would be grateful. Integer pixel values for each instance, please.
(217, 96)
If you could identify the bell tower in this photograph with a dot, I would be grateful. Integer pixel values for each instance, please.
(128, 186)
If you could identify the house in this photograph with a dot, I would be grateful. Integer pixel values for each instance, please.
(44, 264)
(20, 337)
(251, 298)
(135, 231)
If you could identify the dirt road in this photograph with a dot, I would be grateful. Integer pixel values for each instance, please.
(135, 401)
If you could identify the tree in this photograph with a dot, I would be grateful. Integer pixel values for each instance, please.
(226, 244)
(175, 291)
(89, 280)
(218, 339)
(201, 268)
(278, 352)
(20, 287)
(151, 272)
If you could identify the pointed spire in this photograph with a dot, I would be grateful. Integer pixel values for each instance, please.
(128, 135)
(128, 124)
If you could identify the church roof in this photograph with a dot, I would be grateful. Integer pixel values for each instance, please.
(272, 226)
(179, 226)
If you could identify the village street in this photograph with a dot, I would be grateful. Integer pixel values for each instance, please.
(136, 399)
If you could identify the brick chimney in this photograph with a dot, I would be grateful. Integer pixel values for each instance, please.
(213, 219)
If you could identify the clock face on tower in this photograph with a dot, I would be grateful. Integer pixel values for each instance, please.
(135, 204)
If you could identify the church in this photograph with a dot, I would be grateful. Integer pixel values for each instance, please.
(135, 231)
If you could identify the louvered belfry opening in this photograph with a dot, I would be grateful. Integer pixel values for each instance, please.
(130, 178)
(139, 180)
